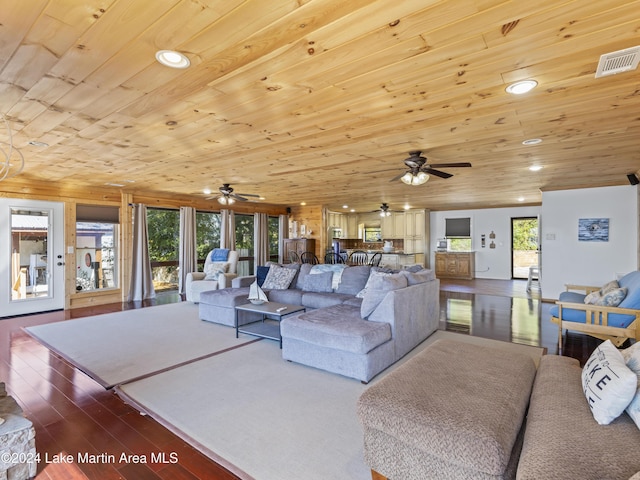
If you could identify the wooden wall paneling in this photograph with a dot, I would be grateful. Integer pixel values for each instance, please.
(69, 257)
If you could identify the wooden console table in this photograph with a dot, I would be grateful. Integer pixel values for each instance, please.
(455, 265)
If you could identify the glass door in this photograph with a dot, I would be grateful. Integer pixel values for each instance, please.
(31, 257)
(524, 246)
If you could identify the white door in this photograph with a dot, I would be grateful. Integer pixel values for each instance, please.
(31, 256)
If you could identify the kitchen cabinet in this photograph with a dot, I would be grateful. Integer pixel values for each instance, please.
(414, 231)
(298, 245)
(455, 265)
(393, 226)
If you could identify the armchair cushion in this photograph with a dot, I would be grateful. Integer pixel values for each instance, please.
(214, 269)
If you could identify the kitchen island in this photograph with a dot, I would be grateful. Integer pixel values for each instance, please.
(396, 259)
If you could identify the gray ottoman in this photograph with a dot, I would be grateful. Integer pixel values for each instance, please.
(454, 411)
(218, 306)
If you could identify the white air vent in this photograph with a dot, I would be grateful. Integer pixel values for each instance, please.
(618, 62)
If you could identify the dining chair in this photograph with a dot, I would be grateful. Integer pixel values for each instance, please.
(309, 257)
(359, 257)
(375, 259)
(294, 257)
(333, 257)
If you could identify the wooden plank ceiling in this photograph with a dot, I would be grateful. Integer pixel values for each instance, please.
(320, 101)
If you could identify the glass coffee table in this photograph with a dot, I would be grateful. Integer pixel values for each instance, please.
(268, 326)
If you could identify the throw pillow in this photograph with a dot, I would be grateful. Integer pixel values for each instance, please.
(632, 358)
(608, 287)
(613, 298)
(372, 273)
(318, 282)
(381, 284)
(592, 298)
(214, 269)
(279, 278)
(608, 384)
(261, 274)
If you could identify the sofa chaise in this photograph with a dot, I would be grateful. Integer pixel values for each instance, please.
(358, 319)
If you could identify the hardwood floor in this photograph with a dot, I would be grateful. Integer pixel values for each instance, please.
(74, 415)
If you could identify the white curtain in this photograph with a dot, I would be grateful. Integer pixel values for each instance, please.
(188, 256)
(141, 277)
(283, 232)
(228, 230)
(260, 239)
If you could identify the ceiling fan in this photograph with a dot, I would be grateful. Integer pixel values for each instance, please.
(384, 210)
(419, 170)
(227, 197)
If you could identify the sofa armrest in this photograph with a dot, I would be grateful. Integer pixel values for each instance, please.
(195, 276)
(596, 309)
(413, 313)
(583, 288)
(244, 281)
(226, 279)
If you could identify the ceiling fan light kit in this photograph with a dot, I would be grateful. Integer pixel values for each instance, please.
(225, 200)
(415, 179)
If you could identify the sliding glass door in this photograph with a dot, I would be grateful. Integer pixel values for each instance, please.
(31, 256)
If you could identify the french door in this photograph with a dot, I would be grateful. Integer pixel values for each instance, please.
(31, 256)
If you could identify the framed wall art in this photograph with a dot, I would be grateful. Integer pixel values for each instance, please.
(593, 230)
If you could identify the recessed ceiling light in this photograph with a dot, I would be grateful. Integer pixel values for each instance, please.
(35, 143)
(352, 210)
(532, 141)
(535, 168)
(345, 206)
(172, 59)
(521, 199)
(524, 86)
(303, 203)
(114, 184)
(207, 191)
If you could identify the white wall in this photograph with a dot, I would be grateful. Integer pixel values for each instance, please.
(492, 263)
(565, 259)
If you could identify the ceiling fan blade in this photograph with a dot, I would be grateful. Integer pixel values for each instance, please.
(397, 177)
(449, 165)
(248, 195)
(437, 173)
(238, 197)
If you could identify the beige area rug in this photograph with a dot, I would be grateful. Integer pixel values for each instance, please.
(267, 419)
(123, 346)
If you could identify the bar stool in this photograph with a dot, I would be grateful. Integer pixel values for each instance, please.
(534, 276)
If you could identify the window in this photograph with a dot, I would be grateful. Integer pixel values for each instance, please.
(458, 233)
(97, 234)
(207, 234)
(274, 237)
(244, 244)
(163, 226)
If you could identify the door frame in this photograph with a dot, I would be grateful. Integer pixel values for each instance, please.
(528, 217)
(55, 298)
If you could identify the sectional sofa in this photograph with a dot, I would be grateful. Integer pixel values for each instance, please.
(358, 319)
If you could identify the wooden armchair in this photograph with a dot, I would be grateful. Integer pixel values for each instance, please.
(606, 323)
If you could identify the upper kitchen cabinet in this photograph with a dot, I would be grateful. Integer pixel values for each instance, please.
(414, 223)
(393, 226)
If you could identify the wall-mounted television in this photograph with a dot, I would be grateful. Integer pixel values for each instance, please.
(457, 227)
